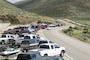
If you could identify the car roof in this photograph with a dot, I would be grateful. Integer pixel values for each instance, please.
(31, 34)
(45, 41)
(7, 34)
(29, 39)
(48, 44)
(48, 58)
(30, 52)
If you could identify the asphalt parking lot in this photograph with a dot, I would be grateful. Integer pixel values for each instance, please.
(13, 57)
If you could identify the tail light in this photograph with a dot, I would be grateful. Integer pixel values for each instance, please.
(28, 45)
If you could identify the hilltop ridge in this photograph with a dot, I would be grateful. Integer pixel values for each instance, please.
(58, 8)
(10, 13)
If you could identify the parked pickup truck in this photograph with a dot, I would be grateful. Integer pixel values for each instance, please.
(50, 49)
(32, 36)
(5, 37)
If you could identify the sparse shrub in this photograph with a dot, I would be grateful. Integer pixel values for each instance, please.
(85, 30)
(76, 28)
(65, 31)
(70, 29)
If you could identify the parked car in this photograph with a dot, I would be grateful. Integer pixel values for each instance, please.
(50, 49)
(20, 38)
(9, 51)
(33, 26)
(12, 41)
(49, 58)
(41, 27)
(29, 44)
(28, 55)
(31, 29)
(48, 28)
(12, 31)
(52, 25)
(24, 30)
(5, 37)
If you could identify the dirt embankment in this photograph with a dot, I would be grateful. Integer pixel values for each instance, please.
(4, 26)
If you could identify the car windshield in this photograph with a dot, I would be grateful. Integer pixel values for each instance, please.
(32, 41)
(23, 57)
(27, 37)
(35, 56)
(28, 56)
(29, 42)
(44, 47)
(41, 42)
(21, 35)
(25, 42)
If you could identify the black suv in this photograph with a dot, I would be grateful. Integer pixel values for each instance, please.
(49, 58)
(28, 55)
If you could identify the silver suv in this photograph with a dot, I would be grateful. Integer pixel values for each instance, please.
(29, 44)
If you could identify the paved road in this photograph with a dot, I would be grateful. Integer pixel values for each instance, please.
(74, 48)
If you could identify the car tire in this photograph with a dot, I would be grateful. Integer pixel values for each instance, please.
(45, 55)
(62, 53)
(3, 42)
(24, 50)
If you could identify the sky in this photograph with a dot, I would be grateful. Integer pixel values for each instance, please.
(13, 1)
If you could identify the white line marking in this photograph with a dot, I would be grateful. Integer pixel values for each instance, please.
(65, 54)
(69, 57)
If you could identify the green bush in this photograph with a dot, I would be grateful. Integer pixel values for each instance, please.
(70, 28)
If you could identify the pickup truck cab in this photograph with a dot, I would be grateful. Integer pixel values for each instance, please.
(50, 49)
(31, 36)
(5, 37)
(44, 41)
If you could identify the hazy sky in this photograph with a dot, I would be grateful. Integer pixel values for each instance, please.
(13, 1)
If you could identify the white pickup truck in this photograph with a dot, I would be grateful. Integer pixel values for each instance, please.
(50, 49)
(5, 37)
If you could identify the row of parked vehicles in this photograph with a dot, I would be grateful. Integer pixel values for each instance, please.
(30, 43)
